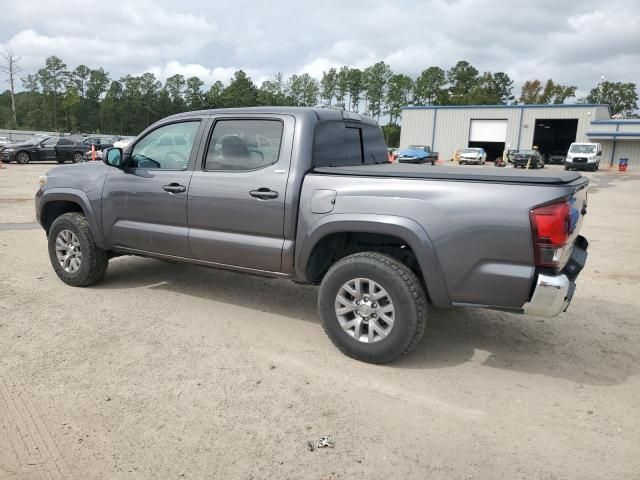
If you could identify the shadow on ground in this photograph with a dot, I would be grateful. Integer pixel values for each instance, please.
(576, 346)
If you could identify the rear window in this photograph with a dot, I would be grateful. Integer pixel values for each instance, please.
(338, 143)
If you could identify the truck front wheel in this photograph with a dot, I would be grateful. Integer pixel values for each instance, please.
(74, 255)
(372, 307)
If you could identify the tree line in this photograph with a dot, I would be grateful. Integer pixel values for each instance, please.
(86, 99)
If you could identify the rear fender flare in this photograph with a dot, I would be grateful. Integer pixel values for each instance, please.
(403, 228)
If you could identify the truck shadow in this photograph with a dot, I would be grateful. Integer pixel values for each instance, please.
(583, 346)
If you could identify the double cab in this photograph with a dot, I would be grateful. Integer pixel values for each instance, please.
(308, 195)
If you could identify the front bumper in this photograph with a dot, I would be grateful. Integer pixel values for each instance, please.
(553, 293)
(7, 155)
(411, 160)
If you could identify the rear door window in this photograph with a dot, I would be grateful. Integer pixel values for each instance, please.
(243, 145)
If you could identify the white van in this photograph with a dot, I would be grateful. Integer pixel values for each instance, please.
(583, 156)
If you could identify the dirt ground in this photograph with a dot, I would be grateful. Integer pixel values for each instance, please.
(176, 371)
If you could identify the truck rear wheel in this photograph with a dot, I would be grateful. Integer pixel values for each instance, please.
(372, 307)
(74, 255)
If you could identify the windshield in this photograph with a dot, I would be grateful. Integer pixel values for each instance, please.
(527, 152)
(577, 148)
(417, 147)
(471, 150)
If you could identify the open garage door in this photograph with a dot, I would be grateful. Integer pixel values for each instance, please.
(490, 135)
(553, 137)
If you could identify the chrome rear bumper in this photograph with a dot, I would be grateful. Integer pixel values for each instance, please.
(551, 296)
(553, 293)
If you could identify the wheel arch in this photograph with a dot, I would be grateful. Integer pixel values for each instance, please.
(56, 202)
(314, 258)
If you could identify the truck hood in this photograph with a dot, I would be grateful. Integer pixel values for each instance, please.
(82, 176)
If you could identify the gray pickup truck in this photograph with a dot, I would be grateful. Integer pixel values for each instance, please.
(307, 194)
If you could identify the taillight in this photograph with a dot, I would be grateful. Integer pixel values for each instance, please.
(550, 227)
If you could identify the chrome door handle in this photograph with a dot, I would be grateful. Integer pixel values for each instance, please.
(174, 188)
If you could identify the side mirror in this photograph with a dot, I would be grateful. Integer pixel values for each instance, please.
(599, 154)
(113, 157)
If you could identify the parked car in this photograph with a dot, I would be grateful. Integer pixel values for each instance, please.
(527, 159)
(59, 149)
(3, 142)
(473, 155)
(417, 154)
(583, 156)
(556, 158)
(123, 142)
(323, 207)
(100, 142)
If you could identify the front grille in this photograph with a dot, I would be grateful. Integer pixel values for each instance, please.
(579, 160)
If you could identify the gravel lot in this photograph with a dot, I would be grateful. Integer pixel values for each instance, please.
(177, 371)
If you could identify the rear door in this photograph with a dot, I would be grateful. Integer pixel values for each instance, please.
(144, 206)
(64, 149)
(236, 197)
(47, 149)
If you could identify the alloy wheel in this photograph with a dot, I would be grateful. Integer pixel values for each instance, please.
(365, 310)
(68, 251)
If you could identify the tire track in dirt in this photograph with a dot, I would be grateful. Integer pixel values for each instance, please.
(33, 446)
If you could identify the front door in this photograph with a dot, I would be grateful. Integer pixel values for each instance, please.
(237, 195)
(144, 205)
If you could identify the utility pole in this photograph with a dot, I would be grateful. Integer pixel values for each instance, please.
(11, 68)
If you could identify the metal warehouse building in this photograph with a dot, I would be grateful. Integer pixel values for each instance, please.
(550, 128)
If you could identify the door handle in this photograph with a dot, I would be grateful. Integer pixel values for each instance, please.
(174, 188)
(264, 193)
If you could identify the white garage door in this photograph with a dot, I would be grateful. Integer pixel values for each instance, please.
(488, 131)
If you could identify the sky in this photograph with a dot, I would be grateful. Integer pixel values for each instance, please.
(573, 42)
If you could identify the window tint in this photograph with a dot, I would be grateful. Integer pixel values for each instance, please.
(64, 141)
(244, 144)
(353, 146)
(158, 149)
(340, 144)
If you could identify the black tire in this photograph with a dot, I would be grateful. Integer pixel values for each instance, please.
(94, 261)
(406, 293)
(566, 167)
(60, 161)
(77, 157)
(22, 158)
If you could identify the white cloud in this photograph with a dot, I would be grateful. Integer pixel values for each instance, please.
(571, 42)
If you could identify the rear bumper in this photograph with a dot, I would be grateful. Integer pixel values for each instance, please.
(553, 293)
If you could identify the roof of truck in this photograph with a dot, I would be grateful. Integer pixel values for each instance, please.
(323, 114)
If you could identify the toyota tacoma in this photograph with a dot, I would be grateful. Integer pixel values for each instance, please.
(308, 195)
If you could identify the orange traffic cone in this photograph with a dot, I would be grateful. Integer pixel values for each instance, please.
(93, 152)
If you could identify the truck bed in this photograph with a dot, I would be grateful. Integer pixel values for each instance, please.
(469, 174)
